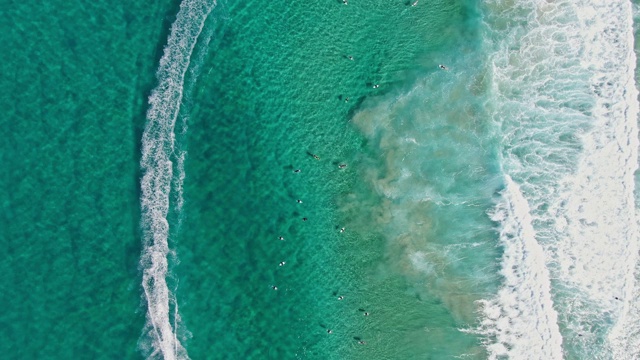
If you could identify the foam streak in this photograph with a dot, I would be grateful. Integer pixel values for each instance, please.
(157, 149)
(521, 319)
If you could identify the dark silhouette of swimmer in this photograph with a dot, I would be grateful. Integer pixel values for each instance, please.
(342, 166)
(282, 263)
(340, 297)
(274, 287)
(366, 313)
(329, 331)
(304, 219)
(280, 238)
(346, 99)
(315, 156)
(442, 67)
(376, 86)
(350, 57)
(296, 170)
(342, 230)
(299, 201)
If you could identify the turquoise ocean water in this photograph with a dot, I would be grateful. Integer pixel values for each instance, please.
(301, 180)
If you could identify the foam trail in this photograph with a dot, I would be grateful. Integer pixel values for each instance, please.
(521, 320)
(566, 103)
(158, 142)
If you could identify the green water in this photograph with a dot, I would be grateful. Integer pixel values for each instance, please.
(269, 91)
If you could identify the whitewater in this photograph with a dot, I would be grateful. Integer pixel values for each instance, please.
(160, 337)
(565, 109)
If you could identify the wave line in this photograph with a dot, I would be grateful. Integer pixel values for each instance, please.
(521, 319)
(158, 145)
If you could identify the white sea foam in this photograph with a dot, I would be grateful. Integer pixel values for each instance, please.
(521, 320)
(601, 206)
(158, 145)
(567, 105)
